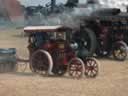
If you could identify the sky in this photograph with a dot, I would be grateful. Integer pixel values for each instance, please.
(42, 2)
(108, 3)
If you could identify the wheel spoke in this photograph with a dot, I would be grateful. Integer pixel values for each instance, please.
(88, 64)
(89, 72)
(96, 68)
(93, 63)
(93, 71)
(78, 74)
(71, 72)
(123, 54)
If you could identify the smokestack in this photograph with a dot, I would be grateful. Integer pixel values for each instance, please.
(72, 3)
(53, 4)
(92, 2)
(127, 9)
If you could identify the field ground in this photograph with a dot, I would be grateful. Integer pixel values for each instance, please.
(112, 79)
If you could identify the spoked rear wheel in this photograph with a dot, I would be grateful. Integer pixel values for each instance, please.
(76, 68)
(91, 67)
(40, 62)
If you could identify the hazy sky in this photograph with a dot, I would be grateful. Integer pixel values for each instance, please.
(108, 3)
(42, 2)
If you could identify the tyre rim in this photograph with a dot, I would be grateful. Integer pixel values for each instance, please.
(120, 53)
(91, 68)
(40, 63)
(75, 69)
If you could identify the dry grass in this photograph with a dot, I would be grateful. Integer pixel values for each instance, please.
(112, 79)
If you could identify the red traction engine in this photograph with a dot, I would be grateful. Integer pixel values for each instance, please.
(52, 52)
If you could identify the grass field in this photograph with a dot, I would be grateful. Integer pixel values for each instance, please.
(111, 81)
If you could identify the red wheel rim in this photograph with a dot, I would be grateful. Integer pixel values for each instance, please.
(75, 69)
(91, 68)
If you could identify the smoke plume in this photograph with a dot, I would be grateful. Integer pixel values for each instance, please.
(71, 17)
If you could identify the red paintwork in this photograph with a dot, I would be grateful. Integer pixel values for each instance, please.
(60, 54)
(52, 47)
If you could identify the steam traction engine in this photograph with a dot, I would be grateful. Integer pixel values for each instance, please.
(53, 52)
(108, 35)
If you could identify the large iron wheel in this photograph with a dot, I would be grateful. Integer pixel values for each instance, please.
(91, 67)
(40, 62)
(120, 51)
(76, 68)
(86, 40)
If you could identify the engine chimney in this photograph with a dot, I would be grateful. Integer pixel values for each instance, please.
(72, 3)
(53, 5)
(92, 2)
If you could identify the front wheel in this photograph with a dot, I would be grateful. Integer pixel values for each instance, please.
(91, 67)
(76, 68)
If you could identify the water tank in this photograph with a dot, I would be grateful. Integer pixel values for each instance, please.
(7, 60)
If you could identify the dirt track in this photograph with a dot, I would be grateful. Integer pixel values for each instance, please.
(112, 79)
